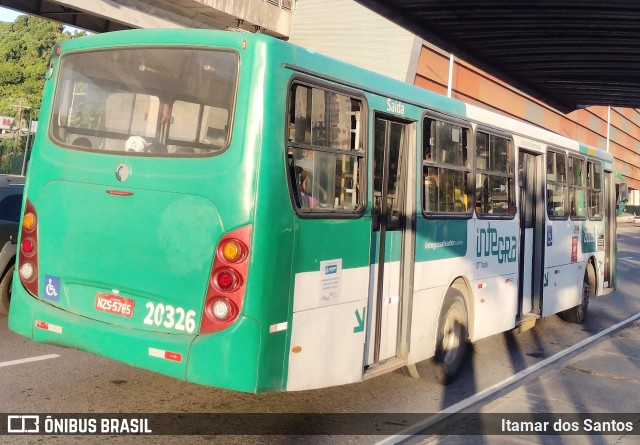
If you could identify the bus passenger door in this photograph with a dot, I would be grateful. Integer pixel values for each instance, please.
(610, 247)
(385, 320)
(532, 230)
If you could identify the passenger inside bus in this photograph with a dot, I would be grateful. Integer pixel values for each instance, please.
(156, 147)
(305, 165)
(460, 201)
(298, 178)
(482, 197)
(431, 190)
(82, 142)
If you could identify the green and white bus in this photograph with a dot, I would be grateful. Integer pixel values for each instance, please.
(236, 211)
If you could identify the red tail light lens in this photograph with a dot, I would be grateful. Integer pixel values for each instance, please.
(28, 254)
(27, 246)
(225, 293)
(227, 280)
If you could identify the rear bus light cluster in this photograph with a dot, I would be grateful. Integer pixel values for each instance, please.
(28, 262)
(226, 288)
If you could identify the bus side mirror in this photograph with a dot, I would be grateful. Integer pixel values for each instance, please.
(623, 193)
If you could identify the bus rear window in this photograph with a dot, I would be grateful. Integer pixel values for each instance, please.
(155, 101)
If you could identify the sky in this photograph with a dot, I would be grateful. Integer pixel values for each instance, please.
(8, 15)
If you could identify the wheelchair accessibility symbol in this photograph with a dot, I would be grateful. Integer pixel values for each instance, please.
(52, 287)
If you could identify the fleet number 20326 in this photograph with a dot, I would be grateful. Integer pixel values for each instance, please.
(170, 317)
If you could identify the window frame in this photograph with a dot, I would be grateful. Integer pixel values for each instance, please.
(424, 164)
(477, 171)
(565, 184)
(591, 189)
(315, 83)
(571, 158)
(52, 133)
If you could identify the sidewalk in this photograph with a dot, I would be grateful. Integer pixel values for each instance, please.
(604, 378)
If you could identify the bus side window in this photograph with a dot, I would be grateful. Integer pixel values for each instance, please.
(447, 168)
(326, 151)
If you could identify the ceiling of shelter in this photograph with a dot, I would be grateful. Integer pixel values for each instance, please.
(568, 54)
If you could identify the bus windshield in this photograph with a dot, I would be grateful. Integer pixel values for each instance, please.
(155, 101)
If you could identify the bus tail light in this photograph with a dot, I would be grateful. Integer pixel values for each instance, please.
(232, 251)
(221, 309)
(28, 262)
(27, 246)
(227, 281)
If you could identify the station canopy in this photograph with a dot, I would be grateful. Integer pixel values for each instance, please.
(568, 54)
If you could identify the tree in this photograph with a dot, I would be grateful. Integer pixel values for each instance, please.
(25, 47)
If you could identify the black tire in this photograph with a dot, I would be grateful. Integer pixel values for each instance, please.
(578, 314)
(5, 291)
(451, 341)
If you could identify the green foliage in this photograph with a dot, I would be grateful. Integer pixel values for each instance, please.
(11, 157)
(25, 46)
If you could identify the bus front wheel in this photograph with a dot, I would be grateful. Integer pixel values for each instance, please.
(578, 314)
(451, 340)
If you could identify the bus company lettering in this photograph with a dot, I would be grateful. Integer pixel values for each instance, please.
(591, 240)
(528, 143)
(430, 245)
(489, 243)
(394, 106)
(588, 237)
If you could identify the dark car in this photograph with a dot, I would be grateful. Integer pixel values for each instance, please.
(11, 188)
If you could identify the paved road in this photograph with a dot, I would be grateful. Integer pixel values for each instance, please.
(78, 382)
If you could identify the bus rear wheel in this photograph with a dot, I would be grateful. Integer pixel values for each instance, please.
(451, 341)
(578, 314)
(5, 291)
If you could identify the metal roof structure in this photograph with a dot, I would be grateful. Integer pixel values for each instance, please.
(568, 54)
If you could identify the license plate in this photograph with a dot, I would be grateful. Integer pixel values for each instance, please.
(114, 304)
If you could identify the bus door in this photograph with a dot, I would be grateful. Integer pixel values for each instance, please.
(532, 233)
(610, 231)
(385, 321)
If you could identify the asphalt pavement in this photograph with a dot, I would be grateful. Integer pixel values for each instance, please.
(589, 397)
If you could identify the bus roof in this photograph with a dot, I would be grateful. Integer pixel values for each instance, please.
(304, 60)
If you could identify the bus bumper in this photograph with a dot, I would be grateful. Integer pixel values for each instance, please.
(228, 359)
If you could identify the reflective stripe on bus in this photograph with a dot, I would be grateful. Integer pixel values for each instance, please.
(167, 355)
(48, 327)
(278, 327)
